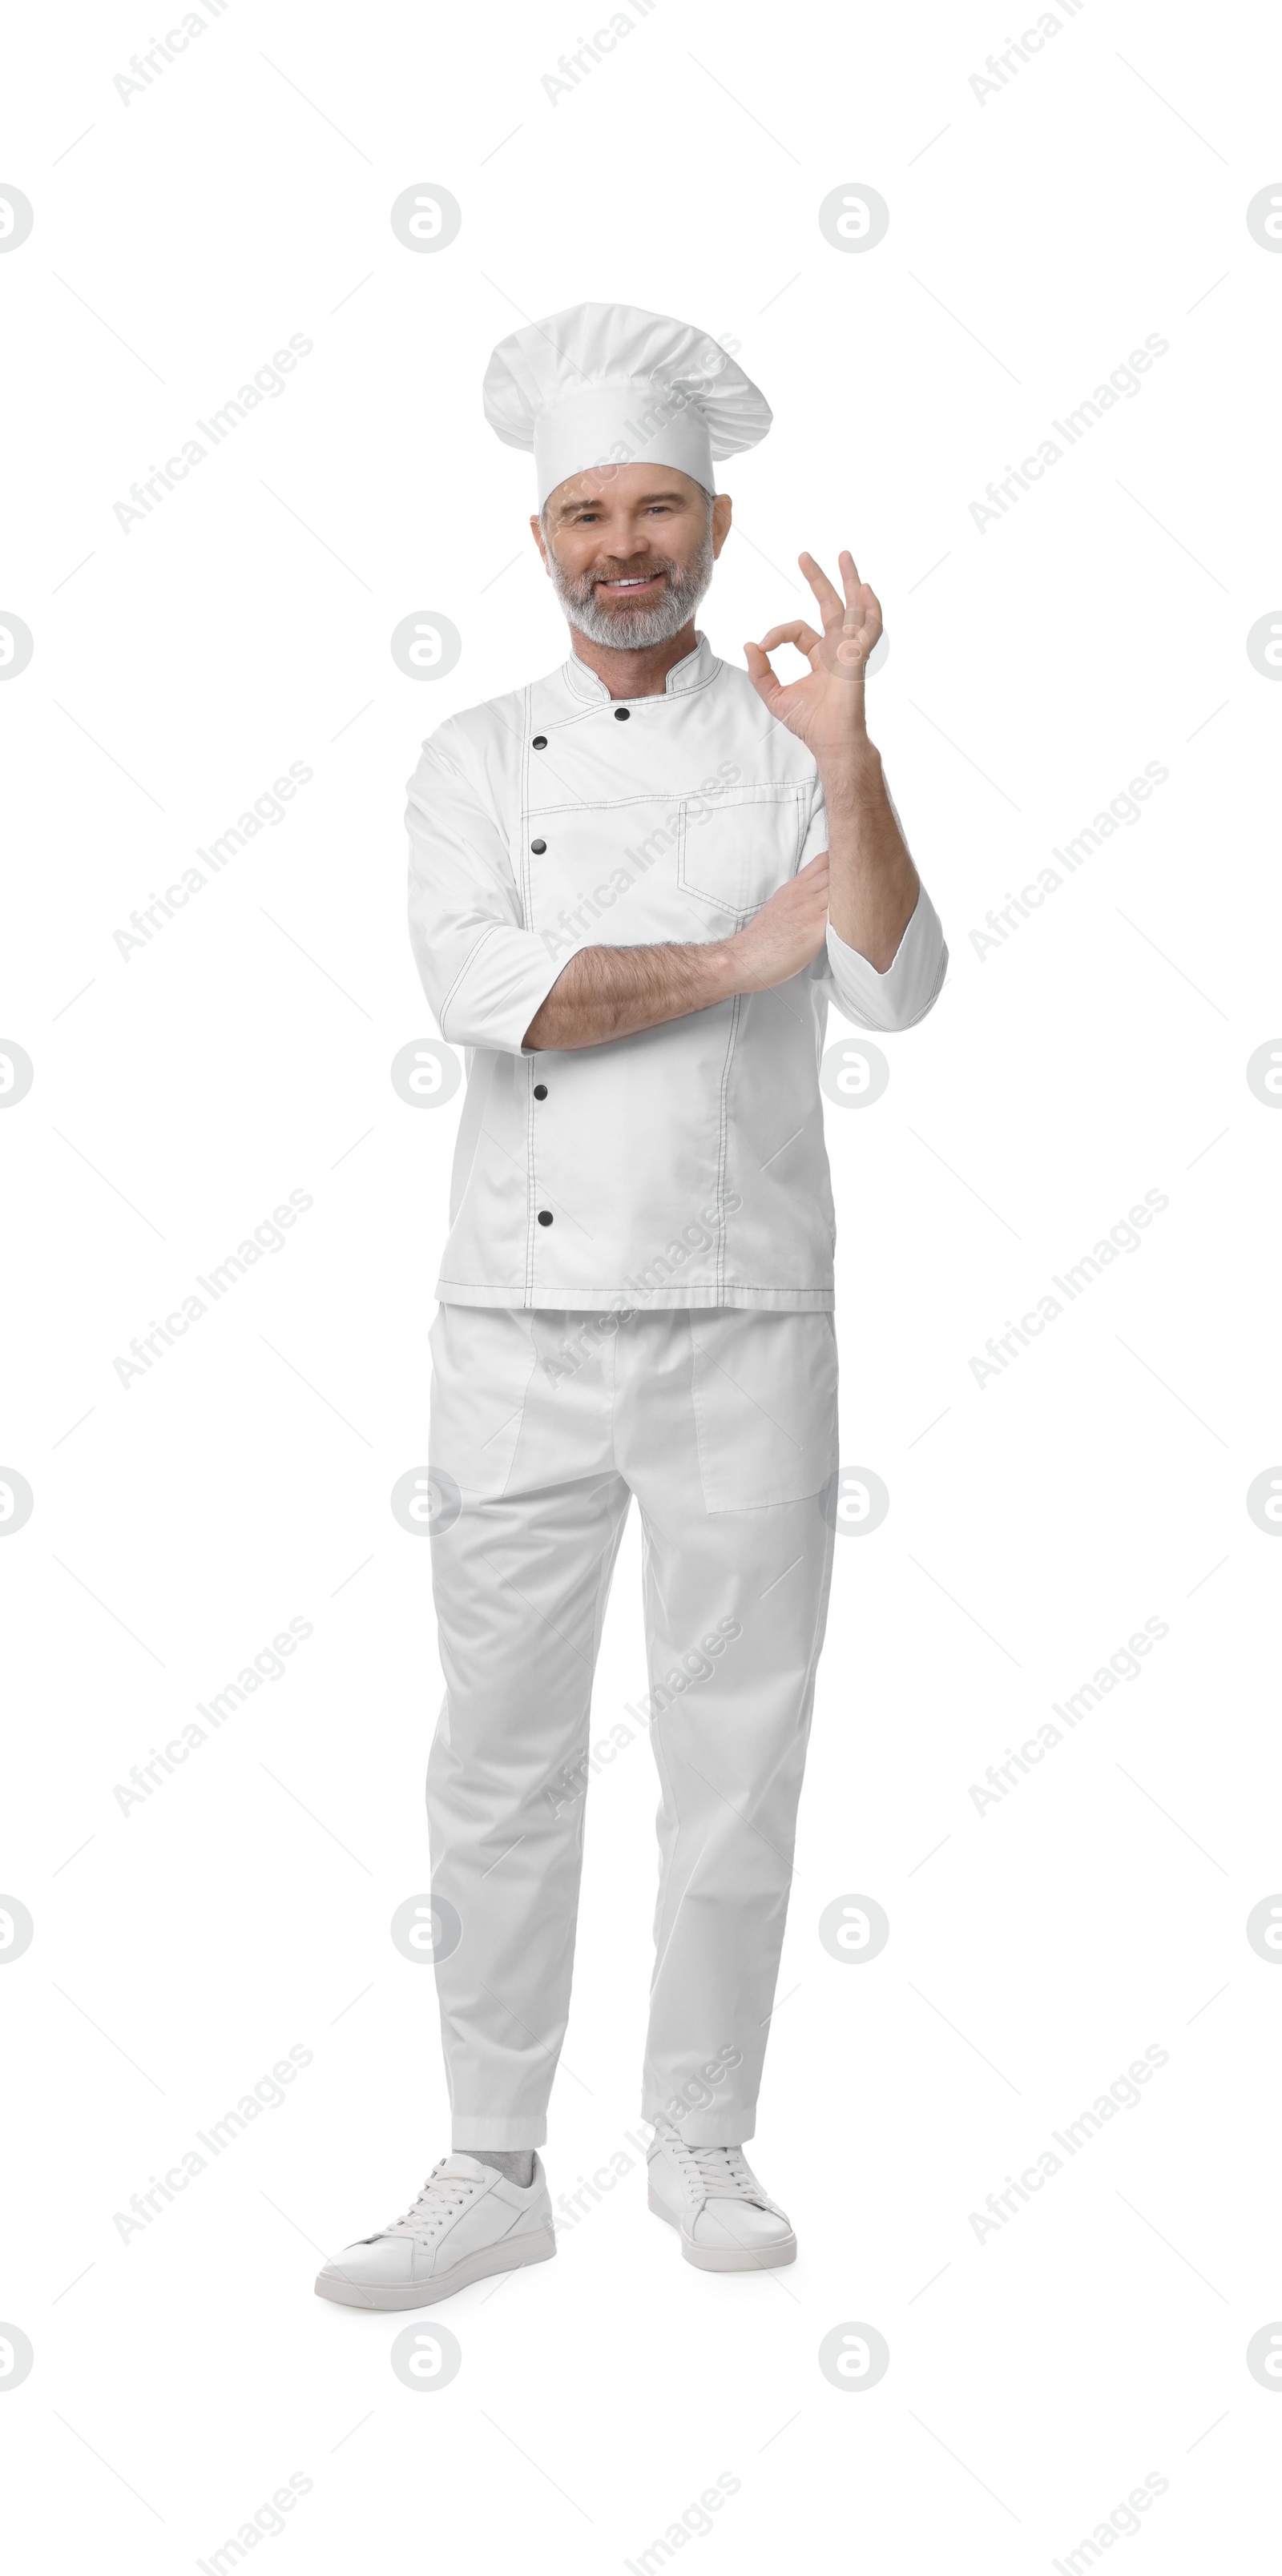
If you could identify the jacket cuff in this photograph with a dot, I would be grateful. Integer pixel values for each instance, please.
(911, 983)
(508, 976)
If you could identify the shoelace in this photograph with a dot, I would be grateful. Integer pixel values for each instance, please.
(438, 2201)
(720, 2173)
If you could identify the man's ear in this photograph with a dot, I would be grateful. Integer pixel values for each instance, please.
(722, 513)
(536, 531)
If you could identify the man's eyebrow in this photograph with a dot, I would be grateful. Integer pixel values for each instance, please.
(593, 501)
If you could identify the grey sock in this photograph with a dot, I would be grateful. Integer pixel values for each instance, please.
(516, 2164)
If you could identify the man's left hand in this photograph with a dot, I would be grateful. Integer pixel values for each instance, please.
(826, 710)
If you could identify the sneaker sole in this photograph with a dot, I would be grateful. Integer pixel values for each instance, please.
(511, 2256)
(728, 2258)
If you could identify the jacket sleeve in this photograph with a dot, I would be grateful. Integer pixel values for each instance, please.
(484, 974)
(912, 982)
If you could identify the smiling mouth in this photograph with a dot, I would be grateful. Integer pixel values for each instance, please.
(634, 581)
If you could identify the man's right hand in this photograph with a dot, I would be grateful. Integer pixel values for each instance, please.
(788, 931)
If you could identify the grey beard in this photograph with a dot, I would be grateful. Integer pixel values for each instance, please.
(629, 630)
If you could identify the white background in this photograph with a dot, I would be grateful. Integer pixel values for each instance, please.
(1036, 1949)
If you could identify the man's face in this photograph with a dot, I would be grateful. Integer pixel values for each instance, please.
(630, 550)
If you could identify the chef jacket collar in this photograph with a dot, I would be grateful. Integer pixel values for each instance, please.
(695, 672)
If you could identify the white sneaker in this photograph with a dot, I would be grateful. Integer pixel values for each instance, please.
(468, 2221)
(727, 2222)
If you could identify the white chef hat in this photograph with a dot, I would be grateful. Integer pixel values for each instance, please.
(606, 384)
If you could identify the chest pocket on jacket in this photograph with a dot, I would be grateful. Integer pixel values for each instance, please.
(739, 845)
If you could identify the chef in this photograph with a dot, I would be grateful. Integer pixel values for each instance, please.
(636, 885)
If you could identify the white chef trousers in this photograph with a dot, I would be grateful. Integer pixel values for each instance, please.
(723, 1423)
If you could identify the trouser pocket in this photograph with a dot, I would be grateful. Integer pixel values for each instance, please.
(765, 1406)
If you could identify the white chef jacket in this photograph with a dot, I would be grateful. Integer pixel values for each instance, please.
(685, 1165)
